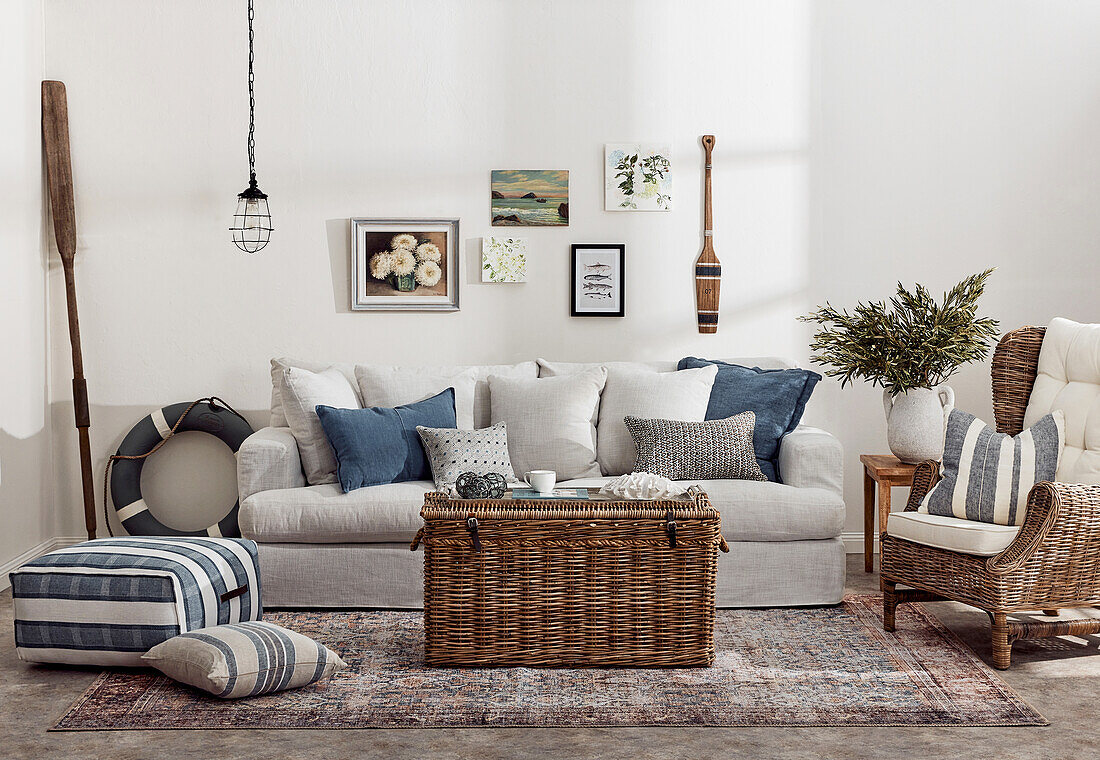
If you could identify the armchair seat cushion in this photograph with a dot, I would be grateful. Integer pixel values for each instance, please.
(952, 533)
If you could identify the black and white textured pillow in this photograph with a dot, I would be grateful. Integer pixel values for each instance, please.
(987, 475)
(712, 450)
(453, 452)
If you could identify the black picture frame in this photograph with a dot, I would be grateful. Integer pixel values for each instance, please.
(585, 261)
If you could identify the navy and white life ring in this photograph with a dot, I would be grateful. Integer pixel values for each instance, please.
(205, 416)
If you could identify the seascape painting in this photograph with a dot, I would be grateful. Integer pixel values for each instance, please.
(597, 281)
(530, 197)
(637, 177)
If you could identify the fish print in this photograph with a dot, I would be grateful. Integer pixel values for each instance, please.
(598, 267)
(597, 277)
(597, 287)
(598, 295)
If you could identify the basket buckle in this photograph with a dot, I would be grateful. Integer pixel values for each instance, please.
(670, 527)
(471, 525)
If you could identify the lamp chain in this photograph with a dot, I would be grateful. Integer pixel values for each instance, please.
(251, 96)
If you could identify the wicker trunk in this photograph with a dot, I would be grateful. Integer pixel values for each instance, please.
(587, 583)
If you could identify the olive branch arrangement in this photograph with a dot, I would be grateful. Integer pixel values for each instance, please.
(915, 343)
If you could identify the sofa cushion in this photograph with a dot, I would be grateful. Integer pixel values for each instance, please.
(751, 511)
(952, 533)
(481, 388)
(762, 510)
(553, 369)
(654, 395)
(777, 396)
(302, 391)
(326, 515)
(389, 386)
(278, 410)
(551, 421)
(1069, 379)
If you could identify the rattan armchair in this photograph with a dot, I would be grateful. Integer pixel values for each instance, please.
(1052, 564)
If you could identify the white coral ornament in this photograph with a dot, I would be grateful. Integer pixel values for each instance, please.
(642, 485)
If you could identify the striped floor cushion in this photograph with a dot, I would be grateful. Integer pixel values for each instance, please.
(244, 660)
(108, 601)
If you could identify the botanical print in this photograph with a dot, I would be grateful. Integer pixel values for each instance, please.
(597, 280)
(638, 177)
(503, 259)
(405, 264)
(530, 197)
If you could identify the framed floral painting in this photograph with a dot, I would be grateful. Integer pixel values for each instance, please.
(404, 264)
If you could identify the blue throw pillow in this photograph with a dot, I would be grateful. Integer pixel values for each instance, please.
(778, 396)
(375, 445)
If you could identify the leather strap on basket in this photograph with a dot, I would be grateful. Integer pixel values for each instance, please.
(670, 527)
(471, 525)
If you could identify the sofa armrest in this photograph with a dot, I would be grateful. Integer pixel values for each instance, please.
(812, 458)
(268, 459)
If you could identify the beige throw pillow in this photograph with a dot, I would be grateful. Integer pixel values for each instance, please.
(301, 392)
(551, 421)
(390, 386)
(682, 395)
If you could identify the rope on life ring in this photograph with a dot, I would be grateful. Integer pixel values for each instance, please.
(123, 471)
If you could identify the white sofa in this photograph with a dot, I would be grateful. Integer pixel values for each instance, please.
(320, 547)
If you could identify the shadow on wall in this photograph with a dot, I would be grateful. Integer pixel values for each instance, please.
(189, 484)
(28, 516)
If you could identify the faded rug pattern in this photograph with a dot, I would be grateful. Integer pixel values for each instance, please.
(775, 667)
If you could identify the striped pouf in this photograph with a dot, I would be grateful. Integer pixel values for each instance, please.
(108, 601)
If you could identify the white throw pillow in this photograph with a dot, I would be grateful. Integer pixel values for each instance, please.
(1069, 379)
(551, 421)
(278, 415)
(301, 392)
(390, 386)
(682, 395)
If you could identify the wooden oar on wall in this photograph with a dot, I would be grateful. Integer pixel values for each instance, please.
(59, 179)
(708, 270)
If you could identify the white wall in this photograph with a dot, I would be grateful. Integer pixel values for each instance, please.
(858, 143)
(27, 517)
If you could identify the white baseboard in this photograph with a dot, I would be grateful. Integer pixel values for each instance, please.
(57, 542)
(853, 542)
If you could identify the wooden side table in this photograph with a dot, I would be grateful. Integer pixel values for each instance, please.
(887, 471)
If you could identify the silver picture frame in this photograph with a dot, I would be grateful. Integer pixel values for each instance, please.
(369, 294)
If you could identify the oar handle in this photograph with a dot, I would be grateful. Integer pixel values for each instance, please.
(708, 217)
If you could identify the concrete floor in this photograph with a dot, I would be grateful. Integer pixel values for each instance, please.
(1061, 678)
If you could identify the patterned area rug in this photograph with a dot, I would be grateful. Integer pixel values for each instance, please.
(783, 667)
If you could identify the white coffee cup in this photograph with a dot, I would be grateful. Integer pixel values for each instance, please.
(542, 481)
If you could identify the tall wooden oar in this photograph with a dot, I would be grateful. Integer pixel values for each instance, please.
(708, 270)
(59, 178)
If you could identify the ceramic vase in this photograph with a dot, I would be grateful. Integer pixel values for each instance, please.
(914, 422)
(406, 283)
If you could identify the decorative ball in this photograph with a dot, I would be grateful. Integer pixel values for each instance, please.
(471, 485)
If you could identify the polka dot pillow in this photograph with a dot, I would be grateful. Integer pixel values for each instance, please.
(453, 452)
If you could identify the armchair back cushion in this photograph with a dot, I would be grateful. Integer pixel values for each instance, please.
(1068, 379)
